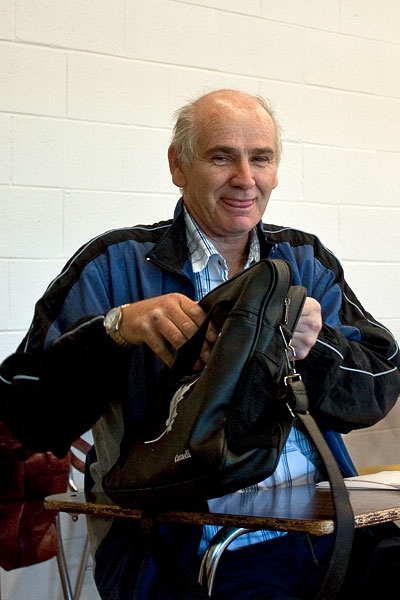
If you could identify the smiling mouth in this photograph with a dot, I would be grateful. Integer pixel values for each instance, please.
(238, 202)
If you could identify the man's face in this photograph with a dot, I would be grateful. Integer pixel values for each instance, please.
(228, 186)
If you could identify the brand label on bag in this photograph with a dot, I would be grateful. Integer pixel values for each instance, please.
(183, 456)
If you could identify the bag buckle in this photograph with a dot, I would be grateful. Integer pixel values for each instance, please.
(290, 353)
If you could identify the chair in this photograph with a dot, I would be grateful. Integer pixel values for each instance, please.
(217, 546)
(77, 465)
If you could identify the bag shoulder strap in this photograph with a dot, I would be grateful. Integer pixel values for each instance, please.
(344, 516)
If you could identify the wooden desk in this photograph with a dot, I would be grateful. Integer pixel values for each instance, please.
(301, 508)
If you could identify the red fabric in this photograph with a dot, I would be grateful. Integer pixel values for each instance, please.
(27, 530)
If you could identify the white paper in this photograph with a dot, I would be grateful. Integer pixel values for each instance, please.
(384, 480)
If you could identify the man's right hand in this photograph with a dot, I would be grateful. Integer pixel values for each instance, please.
(165, 323)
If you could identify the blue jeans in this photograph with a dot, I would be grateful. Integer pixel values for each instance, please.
(292, 568)
(285, 568)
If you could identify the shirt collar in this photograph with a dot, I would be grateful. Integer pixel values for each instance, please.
(200, 248)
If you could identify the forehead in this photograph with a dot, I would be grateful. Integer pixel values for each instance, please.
(246, 127)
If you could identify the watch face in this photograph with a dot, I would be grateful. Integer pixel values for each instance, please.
(112, 318)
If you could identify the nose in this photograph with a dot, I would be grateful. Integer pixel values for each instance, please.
(242, 176)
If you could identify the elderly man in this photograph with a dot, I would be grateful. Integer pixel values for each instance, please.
(128, 300)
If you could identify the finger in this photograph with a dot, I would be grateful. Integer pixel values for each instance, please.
(205, 351)
(159, 345)
(212, 333)
(183, 322)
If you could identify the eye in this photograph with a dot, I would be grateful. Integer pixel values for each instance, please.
(220, 159)
(262, 159)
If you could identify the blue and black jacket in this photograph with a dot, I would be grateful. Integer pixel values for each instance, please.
(67, 376)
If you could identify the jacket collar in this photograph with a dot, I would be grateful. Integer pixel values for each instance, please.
(170, 252)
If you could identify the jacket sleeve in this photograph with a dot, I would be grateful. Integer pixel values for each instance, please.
(66, 371)
(352, 373)
(50, 397)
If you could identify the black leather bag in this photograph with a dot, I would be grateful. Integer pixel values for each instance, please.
(227, 426)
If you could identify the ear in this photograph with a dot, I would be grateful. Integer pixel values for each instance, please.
(178, 176)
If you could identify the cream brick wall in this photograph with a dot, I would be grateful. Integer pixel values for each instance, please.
(87, 92)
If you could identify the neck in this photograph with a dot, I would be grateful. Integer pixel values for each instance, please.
(235, 255)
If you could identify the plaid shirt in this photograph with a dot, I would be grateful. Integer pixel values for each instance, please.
(299, 461)
(209, 267)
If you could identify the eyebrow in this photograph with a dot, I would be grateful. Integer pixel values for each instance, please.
(233, 151)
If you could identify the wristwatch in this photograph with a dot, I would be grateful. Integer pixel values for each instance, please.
(111, 323)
